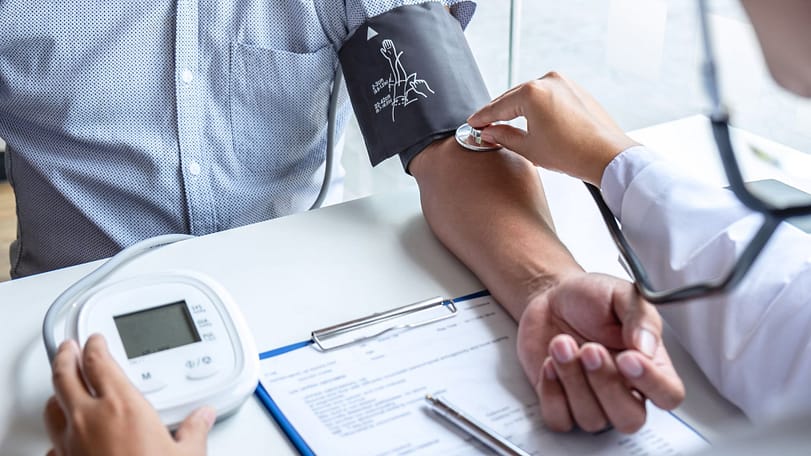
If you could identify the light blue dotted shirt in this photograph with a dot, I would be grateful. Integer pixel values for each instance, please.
(129, 119)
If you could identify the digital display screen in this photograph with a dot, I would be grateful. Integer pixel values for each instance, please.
(156, 329)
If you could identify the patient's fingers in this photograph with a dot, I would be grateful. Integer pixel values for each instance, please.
(554, 404)
(584, 406)
(655, 379)
(623, 409)
(641, 323)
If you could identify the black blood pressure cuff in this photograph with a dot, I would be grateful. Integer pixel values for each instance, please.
(411, 78)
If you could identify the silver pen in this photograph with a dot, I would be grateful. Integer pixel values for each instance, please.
(488, 437)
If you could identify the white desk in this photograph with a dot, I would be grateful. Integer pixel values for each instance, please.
(298, 273)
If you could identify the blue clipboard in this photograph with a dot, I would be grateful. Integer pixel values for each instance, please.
(322, 339)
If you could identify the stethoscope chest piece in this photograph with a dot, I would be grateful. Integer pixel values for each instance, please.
(471, 139)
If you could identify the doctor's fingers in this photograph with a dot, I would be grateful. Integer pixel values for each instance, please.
(67, 380)
(533, 100)
(656, 379)
(495, 110)
(523, 99)
(515, 139)
(583, 404)
(192, 433)
(103, 374)
(55, 424)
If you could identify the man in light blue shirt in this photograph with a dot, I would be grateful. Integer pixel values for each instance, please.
(125, 120)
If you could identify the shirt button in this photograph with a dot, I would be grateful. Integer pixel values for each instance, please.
(187, 75)
(194, 168)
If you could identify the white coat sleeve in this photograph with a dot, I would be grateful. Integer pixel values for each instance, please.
(754, 344)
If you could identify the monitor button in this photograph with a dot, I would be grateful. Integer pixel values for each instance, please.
(147, 383)
(201, 367)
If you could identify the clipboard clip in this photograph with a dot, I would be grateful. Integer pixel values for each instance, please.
(405, 317)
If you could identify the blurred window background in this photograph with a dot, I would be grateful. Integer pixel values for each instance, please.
(640, 58)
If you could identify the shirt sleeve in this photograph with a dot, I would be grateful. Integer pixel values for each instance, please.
(754, 343)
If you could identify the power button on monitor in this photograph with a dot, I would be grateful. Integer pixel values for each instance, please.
(201, 367)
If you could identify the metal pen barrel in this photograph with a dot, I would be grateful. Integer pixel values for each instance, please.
(489, 438)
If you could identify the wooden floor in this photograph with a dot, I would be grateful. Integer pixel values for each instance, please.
(8, 227)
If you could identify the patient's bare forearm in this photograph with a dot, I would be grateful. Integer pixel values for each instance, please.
(490, 210)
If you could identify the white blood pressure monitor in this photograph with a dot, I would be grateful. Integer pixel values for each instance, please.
(178, 336)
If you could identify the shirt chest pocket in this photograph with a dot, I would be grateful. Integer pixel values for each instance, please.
(279, 102)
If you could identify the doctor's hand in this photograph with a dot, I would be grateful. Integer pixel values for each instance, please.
(114, 418)
(567, 130)
(592, 349)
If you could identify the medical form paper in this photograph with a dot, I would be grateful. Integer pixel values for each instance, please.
(368, 398)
